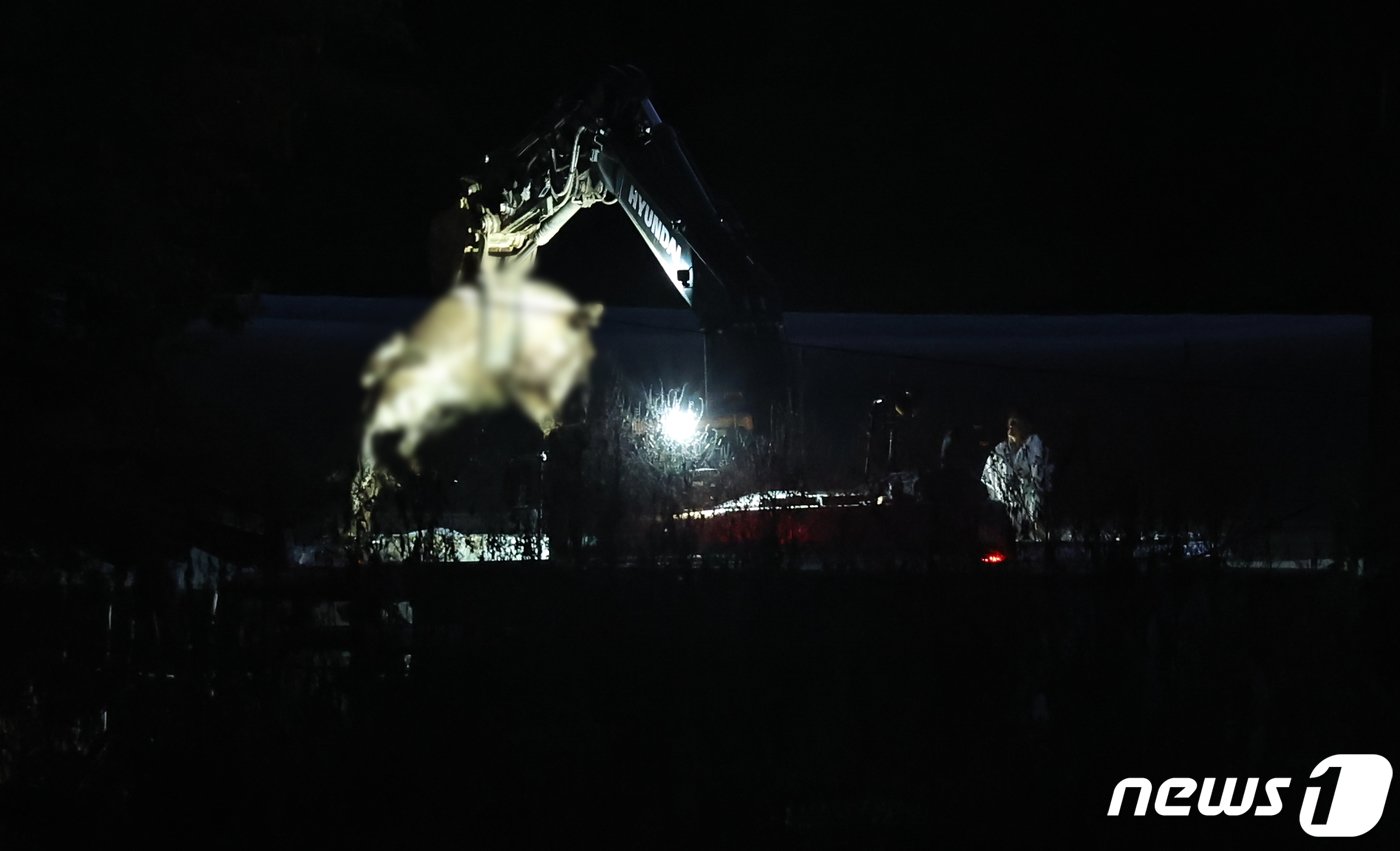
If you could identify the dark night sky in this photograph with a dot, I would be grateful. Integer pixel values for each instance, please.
(962, 159)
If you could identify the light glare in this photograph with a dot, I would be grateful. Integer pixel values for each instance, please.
(680, 425)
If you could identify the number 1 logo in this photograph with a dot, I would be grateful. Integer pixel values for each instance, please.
(1360, 783)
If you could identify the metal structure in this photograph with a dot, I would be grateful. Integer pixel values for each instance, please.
(608, 145)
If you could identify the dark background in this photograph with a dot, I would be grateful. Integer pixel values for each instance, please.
(953, 159)
(166, 160)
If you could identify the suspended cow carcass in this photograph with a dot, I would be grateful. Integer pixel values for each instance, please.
(502, 341)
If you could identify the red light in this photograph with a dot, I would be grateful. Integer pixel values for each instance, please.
(993, 557)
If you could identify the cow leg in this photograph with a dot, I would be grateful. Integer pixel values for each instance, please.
(368, 484)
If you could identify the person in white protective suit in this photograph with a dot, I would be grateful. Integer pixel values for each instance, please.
(1017, 474)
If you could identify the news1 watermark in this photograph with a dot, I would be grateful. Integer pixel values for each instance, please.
(1344, 796)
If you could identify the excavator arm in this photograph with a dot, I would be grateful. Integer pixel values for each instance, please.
(608, 145)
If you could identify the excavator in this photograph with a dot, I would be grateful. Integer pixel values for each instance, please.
(607, 145)
(603, 145)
